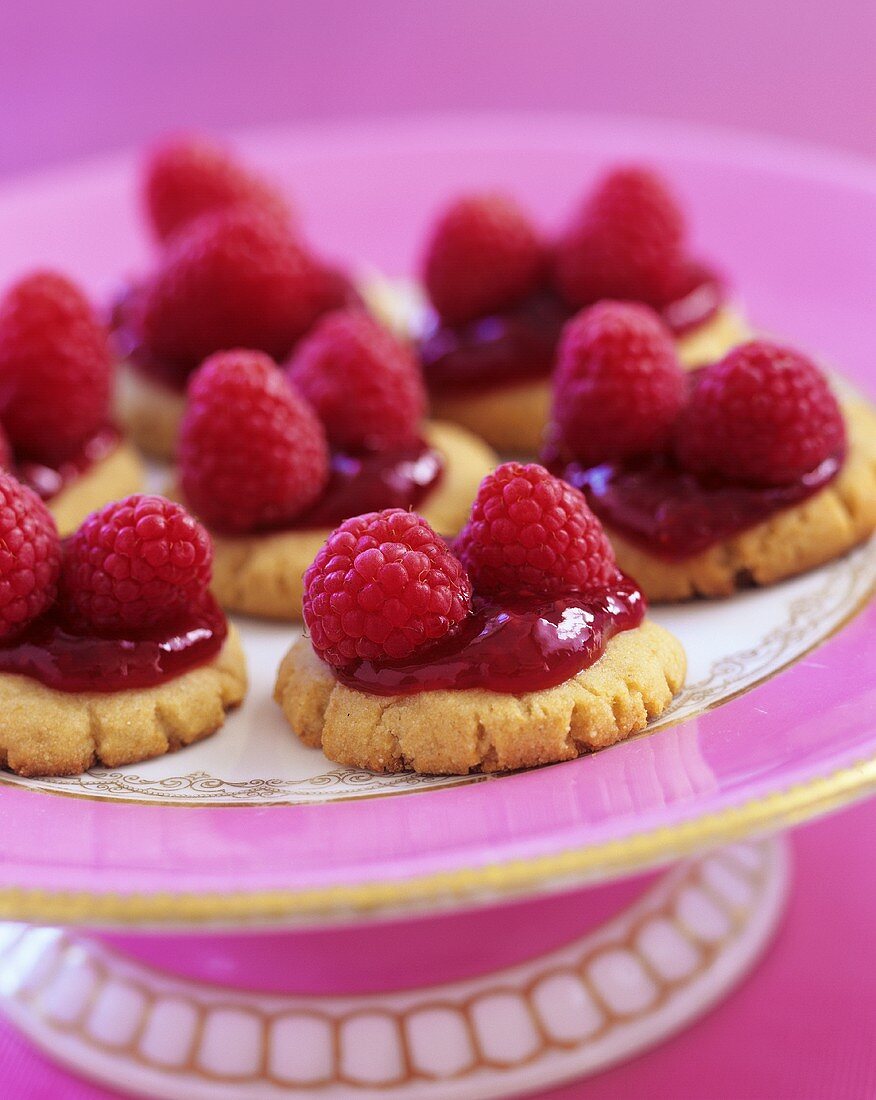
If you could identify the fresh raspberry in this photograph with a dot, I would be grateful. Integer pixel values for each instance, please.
(234, 279)
(763, 414)
(483, 255)
(532, 534)
(55, 369)
(134, 564)
(187, 177)
(383, 587)
(626, 241)
(30, 556)
(252, 453)
(618, 386)
(363, 382)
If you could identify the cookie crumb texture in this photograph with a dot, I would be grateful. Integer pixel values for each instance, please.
(459, 732)
(49, 732)
(263, 574)
(791, 542)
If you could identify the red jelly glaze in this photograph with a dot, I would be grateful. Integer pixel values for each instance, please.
(400, 478)
(522, 343)
(511, 646)
(48, 481)
(64, 658)
(359, 483)
(675, 514)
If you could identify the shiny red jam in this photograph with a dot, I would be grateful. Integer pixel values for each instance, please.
(400, 478)
(358, 483)
(674, 514)
(522, 343)
(48, 481)
(63, 658)
(511, 646)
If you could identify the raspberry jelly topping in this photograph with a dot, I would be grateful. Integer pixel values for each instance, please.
(493, 350)
(522, 343)
(48, 481)
(62, 657)
(400, 478)
(675, 514)
(511, 646)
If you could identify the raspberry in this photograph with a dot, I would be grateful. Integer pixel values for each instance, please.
(30, 556)
(234, 279)
(363, 382)
(187, 177)
(483, 256)
(532, 534)
(134, 564)
(618, 386)
(252, 453)
(55, 370)
(763, 414)
(625, 242)
(383, 587)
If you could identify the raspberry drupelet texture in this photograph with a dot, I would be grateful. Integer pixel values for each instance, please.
(185, 177)
(135, 564)
(384, 586)
(363, 382)
(30, 556)
(252, 453)
(626, 241)
(483, 255)
(764, 414)
(618, 385)
(234, 279)
(532, 534)
(55, 368)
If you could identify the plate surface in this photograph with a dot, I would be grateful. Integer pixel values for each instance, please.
(250, 826)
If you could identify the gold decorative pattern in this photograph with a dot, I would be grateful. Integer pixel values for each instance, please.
(693, 901)
(848, 588)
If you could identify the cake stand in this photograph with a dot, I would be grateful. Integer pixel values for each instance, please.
(246, 920)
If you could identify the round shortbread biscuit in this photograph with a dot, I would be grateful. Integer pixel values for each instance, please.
(512, 418)
(114, 477)
(263, 574)
(472, 730)
(44, 731)
(150, 411)
(792, 541)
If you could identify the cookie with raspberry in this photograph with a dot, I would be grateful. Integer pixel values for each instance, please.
(489, 344)
(232, 278)
(758, 474)
(271, 459)
(521, 644)
(112, 650)
(56, 377)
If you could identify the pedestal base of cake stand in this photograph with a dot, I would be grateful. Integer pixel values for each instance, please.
(630, 980)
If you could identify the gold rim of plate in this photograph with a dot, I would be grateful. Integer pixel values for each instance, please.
(465, 886)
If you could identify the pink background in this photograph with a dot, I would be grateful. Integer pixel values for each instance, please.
(99, 74)
(87, 78)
